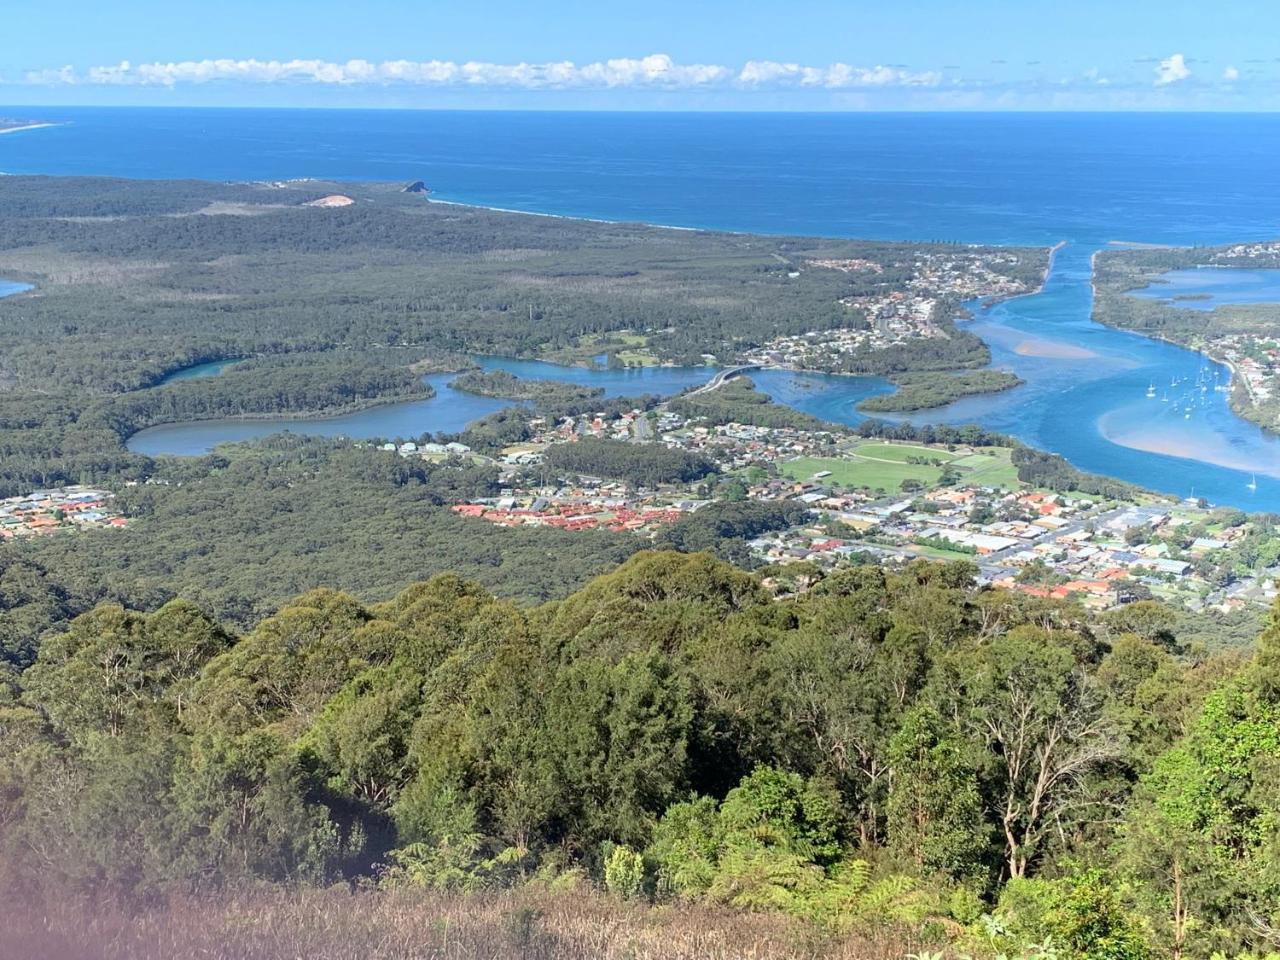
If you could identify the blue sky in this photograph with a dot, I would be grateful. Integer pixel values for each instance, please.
(690, 55)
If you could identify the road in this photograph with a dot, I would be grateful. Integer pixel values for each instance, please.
(722, 377)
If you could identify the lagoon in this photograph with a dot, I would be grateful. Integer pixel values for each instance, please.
(449, 411)
(1206, 288)
(197, 371)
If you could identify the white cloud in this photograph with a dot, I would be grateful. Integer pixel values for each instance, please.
(655, 71)
(1231, 74)
(1171, 70)
(837, 76)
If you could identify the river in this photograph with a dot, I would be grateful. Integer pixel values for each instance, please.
(1085, 396)
(448, 411)
(8, 288)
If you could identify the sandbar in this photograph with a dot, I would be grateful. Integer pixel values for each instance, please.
(1175, 443)
(1053, 349)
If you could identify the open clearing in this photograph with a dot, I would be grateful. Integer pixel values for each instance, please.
(879, 466)
(900, 452)
(874, 474)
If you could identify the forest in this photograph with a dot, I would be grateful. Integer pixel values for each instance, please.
(507, 386)
(242, 530)
(738, 401)
(636, 464)
(724, 527)
(891, 762)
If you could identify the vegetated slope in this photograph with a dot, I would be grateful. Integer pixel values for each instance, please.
(891, 757)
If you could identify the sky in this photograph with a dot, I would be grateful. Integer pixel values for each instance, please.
(658, 55)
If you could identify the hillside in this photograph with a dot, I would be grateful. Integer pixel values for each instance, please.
(892, 761)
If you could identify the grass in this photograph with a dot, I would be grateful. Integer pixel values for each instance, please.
(877, 475)
(636, 358)
(991, 468)
(338, 924)
(937, 553)
(900, 452)
(880, 466)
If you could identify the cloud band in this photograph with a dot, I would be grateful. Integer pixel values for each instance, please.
(654, 71)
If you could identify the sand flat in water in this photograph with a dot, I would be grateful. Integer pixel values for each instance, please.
(1052, 349)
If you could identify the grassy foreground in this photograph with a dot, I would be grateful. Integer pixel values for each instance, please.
(336, 924)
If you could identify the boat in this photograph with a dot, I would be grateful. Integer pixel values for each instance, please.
(1151, 390)
(1253, 482)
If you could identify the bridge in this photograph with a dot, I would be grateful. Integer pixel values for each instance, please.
(722, 377)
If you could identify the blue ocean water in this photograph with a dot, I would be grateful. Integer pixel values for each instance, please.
(979, 178)
(982, 178)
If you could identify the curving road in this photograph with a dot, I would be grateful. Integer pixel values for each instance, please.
(722, 377)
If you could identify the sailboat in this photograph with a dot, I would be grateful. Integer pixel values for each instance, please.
(1151, 390)
(1253, 482)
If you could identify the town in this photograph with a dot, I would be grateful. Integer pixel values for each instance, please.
(920, 308)
(48, 511)
(874, 500)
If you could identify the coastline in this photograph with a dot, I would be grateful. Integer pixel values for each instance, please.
(743, 233)
(28, 126)
(563, 216)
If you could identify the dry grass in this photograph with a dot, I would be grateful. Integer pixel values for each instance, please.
(342, 925)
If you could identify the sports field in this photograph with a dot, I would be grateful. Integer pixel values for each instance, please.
(875, 474)
(900, 452)
(883, 466)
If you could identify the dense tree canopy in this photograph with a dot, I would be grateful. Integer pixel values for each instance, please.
(886, 748)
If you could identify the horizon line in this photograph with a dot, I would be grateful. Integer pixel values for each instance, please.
(974, 111)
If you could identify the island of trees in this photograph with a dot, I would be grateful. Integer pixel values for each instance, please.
(923, 391)
(507, 386)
